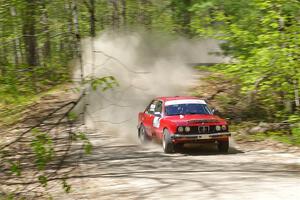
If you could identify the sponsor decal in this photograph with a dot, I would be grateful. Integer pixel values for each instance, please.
(184, 101)
(156, 122)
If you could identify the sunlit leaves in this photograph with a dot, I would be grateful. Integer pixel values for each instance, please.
(42, 147)
(263, 38)
(16, 168)
(43, 180)
(72, 116)
(104, 83)
(87, 145)
(66, 186)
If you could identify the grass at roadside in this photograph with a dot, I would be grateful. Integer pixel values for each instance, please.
(13, 112)
(292, 138)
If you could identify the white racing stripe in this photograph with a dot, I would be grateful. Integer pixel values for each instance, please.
(185, 101)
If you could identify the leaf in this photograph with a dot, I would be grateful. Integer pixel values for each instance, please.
(104, 83)
(16, 168)
(72, 116)
(66, 186)
(43, 180)
(42, 147)
(88, 148)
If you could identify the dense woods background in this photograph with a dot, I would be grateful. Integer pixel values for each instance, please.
(40, 37)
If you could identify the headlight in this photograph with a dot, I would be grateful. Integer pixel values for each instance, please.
(187, 129)
(180, 129)
(224, 127)
(218, 128)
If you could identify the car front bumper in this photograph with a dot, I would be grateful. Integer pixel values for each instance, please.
(200, 136)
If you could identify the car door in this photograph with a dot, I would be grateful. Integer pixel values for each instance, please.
(157, 117)
(148, 117)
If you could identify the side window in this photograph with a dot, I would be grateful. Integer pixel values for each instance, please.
(158, 107)
(151, 108)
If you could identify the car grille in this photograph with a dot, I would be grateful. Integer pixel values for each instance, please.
(202, 130)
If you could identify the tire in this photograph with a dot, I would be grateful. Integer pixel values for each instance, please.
(223, 146)
(143, 137)
(167, 143)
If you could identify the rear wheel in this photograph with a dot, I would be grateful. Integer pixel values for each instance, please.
(167, 143)
(223, 146)
(144, 138)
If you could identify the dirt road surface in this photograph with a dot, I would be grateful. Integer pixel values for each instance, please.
(119, 170)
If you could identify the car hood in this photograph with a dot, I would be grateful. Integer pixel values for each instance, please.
(195, 119)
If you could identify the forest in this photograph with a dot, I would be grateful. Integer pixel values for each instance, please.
(40, 38)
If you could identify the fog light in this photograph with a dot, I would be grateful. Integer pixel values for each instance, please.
(224, 127)
(218, 128)
(187, 129)
(180, 129)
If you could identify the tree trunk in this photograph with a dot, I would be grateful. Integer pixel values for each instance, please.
(186, 17)
(93, 18)
(145, 16)
(78, 38)
(124, 13)
(3, 53)
(30, 39)
(70, 42)
(91, 9)
(16, 41)
(47, 44)
(115, 16)
(79, 54)
(296, 92)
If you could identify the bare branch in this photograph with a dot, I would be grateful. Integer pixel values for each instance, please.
(120, 62)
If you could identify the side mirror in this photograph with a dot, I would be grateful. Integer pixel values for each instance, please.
(157, 114)
(215, 111)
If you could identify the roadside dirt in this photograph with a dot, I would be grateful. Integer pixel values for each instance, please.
(21, 143)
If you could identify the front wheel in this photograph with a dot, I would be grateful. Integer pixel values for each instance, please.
(223, 146)
(167, 143)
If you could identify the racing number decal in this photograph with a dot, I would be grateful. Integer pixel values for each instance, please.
(152, 107)
(156, 122)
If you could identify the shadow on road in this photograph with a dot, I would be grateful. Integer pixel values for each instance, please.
(205, 150)
(118, 170)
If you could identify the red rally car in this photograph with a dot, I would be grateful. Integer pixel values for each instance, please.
(178, 120)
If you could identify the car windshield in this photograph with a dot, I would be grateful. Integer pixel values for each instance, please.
(186, 109)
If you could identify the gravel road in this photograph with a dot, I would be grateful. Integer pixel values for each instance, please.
(119, 170)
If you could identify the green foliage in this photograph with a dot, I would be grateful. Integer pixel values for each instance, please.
(291, 137)
(43, 180)
(87, 145)
(294, 119)
(66, 186)
(72, 116)
(8, 196)
(15, 168)
(104, 83)
(42, 147)
(262, 37)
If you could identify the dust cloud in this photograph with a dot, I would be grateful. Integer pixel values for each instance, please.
(146, 65)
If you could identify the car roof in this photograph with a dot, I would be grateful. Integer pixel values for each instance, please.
(170, 98)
